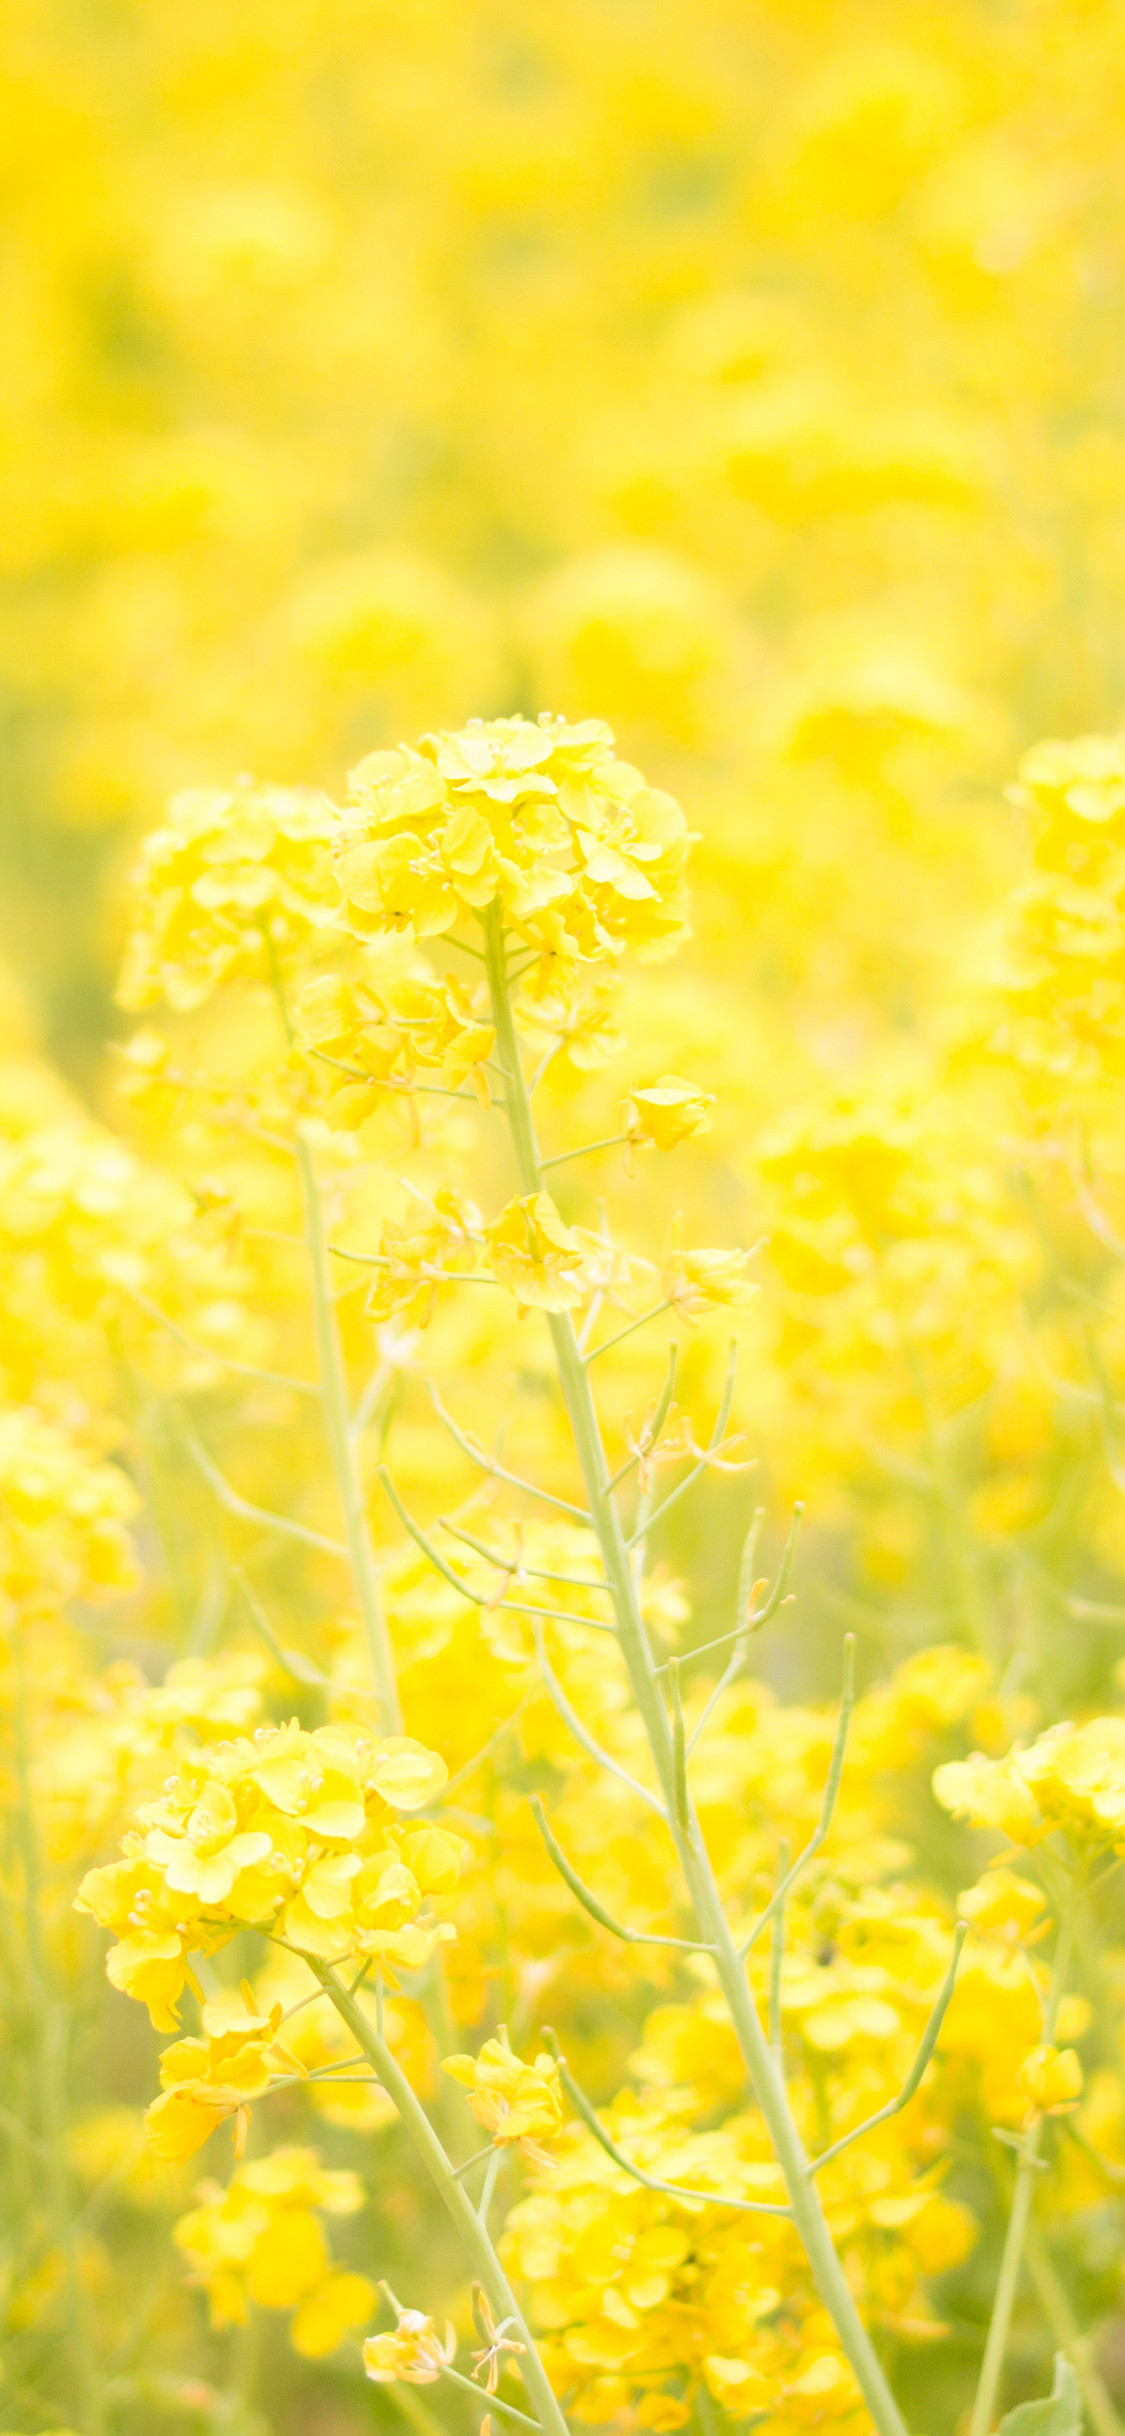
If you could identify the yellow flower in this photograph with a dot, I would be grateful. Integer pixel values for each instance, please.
(414, 1261)
(698, 1281)
(207, 1858)
(584, 857)
(369, 1043)
(1003, 1905)
(989, 1793)
(665, 1113)
(561, 1005)
(538, 1259)
(1051, 2080)
(62, 1517)
(342, 2300)
(238, 877)
(261, 2240)
(209, 2079)
(737, 2384)
(1077, 1776)
(415, 2354)
(156, 1931)
(514, 2101)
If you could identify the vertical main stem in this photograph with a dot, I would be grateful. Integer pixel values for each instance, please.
(1068, 2335)
(768, 2085)
(483, 2259)
(984, 2406)
(337, 1419)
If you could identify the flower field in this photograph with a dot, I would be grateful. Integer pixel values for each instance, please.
(562, 1653)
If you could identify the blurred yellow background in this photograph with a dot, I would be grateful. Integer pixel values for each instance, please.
(748, 375)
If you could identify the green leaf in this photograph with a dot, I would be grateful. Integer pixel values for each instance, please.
(1059, 2415)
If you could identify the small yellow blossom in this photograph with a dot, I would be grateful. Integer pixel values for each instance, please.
(538, 1259)
(1003, 1905)
(990, 1794)
(365, 1042)
(415, 2354)
(439, 1244)
(1071, 1777)
(665, 1113)
(563, 1006)
(1051, 2080)
(698, 1281)
(514, 2101)
(207, 2080)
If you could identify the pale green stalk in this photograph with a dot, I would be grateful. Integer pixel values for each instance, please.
(1068, 2335)
(768, 2084)
(1011, 2257)
(50, 2033)
(478, 2245)
(344, 1450)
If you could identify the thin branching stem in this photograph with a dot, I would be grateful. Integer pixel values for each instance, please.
(225, 1361)
(928, 2042)
(516, 1607)
(338, 1419)
(585, 1150)
(292, 1661)
(582, 1734)
(742, 1631)
(515, 1566)
(675, 2190)
(589, 1901)
(481, 2254)
(486, 1463)
(245, 1511)
(714, 1442)
(828, 1805)
(610, 1341)
(777, 1957)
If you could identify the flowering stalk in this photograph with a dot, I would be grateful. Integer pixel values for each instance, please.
(485, 2263)
(715, 1932)
(342, 1440)
(1064, 2327)
(1011, 2259)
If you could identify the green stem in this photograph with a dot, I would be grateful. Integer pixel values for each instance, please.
(49, 2021)
(1068, 2335)
(996, 2345)
(714, 1929)
(337, 1416)
(344, 1449)
(483, 2259)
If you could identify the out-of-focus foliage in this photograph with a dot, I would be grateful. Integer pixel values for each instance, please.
(748, 378)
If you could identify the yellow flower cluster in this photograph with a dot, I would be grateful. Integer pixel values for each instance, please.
(1065, 941)
(517, 2103)
(289, 1830)
(237, 879)
(584, 857)
(1070, 1778)
(371, 1042)
(63, 1518)
(261, 2240)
